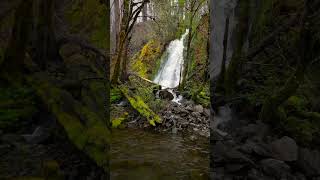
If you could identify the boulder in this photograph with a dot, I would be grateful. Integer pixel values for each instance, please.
(309, 161)
(164, 94)
(39, 135)
(206, 112)
(284, 149)
(229, 154)
(260, 149)
(198, 108)
(189, 108)
(275, 168)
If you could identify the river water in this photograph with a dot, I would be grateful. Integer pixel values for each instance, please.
(141, 155)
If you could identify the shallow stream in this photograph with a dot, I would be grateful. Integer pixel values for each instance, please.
(141, 155)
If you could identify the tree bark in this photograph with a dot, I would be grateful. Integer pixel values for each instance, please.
(145, 13)
(221, 77)
(45, 43)
(15, 52)
(242, 30)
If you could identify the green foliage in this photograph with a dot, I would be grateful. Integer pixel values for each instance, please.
(147, 58)
(115, 95)
(201, 96)
(302, 130)
(296, 103)
(16, 104)
(117, 122)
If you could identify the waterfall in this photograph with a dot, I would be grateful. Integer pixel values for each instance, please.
(169, 73)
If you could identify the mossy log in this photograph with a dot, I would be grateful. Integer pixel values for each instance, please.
(86, 130)
(138, 104)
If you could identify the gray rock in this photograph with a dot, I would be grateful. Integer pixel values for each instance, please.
(229, 154)
(275, 168)
(206, 112)
(234, 167)
(189, 108)
(164, 94)
(123, 104)
(198, 108)
(309, 161)
(256, 148)
(39, 135)
(215, 136)
(284, 149)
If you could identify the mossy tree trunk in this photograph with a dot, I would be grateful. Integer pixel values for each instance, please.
(124, 74)
(122, 39)
(45, 43)
(130, 16)
(241, 33)
(187, 61)
(271, 105)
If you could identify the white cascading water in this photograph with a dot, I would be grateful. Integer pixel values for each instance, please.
(170, 72)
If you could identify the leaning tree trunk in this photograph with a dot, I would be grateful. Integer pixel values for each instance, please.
(12, 65)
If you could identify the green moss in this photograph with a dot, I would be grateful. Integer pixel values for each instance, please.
(138, 104)
(144, 62)
(115, 95)
(83, 126)
(296, 103)
(302, 130)
(117, 122)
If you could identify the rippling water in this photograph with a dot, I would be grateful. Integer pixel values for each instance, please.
(141, 155)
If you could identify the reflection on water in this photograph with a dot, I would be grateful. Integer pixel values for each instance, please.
(140, 155)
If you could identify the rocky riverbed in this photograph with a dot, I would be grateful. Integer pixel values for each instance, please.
(246, 149)
(184, 117)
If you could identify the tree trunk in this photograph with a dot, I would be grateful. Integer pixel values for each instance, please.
(221, 77)
(186, 67)
(15, 52)
(124, 76)
(122, 39)
(145, 13)
(45, 43)
(240, 36)
(116, 25)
